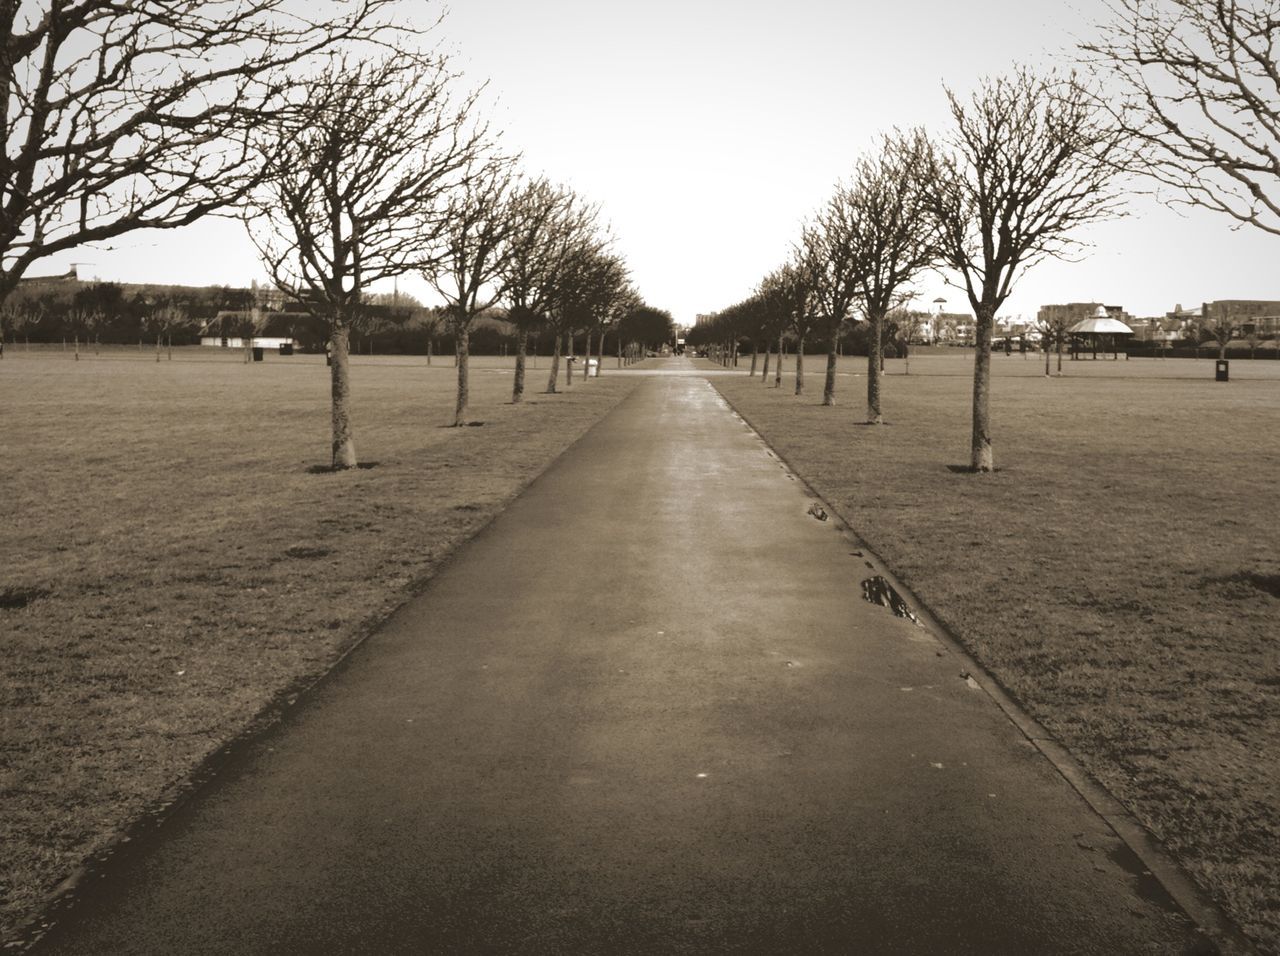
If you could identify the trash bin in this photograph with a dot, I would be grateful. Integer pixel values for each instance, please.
(1222, 370)
(286, 348)
(257, 353)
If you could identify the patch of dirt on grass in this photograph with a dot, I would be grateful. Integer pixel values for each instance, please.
(1110, 576)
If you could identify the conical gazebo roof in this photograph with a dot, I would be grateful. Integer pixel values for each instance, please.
(1101, 325)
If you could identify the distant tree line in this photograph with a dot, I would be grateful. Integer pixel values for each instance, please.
(61, 310)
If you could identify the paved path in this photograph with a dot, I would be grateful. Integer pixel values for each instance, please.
(645, 711)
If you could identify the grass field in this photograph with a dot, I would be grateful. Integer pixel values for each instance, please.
(1120, 574)
(170, 570)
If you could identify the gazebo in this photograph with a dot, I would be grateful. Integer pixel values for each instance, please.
(1097, 325)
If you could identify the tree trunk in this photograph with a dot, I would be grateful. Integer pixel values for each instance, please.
(755, 359)
(157, 348)
(463, 338)
(1059, 354)
(600, 354)
(168, 343)
(430, 342)
(981, 457)
(568, 359)
(77, 347)
(777, 369)
(517, 387)
(800, 366)
(829, 386)
(875, 368)
(619, 351)
(555, 365)
(586, 358)
(768, 354)
(344, 449)
(1046, 359)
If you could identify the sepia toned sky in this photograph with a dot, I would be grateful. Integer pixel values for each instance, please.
(707, 129)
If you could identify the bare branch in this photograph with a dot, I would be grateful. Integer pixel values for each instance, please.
(124, 116)
(1198, 87)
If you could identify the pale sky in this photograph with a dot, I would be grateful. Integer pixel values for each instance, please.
(708, 130)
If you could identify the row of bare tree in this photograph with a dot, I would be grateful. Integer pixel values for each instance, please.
(1190, 98)
(339, 134)
(1027, 161)
(386, 172)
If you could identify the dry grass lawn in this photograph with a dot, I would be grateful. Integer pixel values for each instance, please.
(170, 571)
(1120, 575)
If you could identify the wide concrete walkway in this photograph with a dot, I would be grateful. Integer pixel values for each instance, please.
(646, 711)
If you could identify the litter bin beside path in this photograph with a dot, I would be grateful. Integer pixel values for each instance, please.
(257, 353)
(1222, 370)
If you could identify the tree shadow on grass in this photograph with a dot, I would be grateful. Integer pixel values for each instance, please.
(1266, 583)
(463, 425)
(331, 470)
(15, 598)
(970, 470)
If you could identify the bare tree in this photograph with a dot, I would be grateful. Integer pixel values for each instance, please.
(619, 302)
(586, 268)
(125, 116)
(12, 317)
(1223, 327)
(357, 192)
(889, 223)
(910, 322)
(1199, 89)
(162, 320)
(431, 321)
(1030, 160)
(793, 286)
(85, 321)
(611, 296)
(546, 223)
(832, 260)
(472, 249)
(1053, 332)
(775, 292)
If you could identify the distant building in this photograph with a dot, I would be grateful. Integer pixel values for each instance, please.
(71, 275)
(1250, 316)
(1157, 330)
(702, 317)
(951, 328)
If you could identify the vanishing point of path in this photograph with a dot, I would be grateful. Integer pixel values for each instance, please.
(646, 711)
